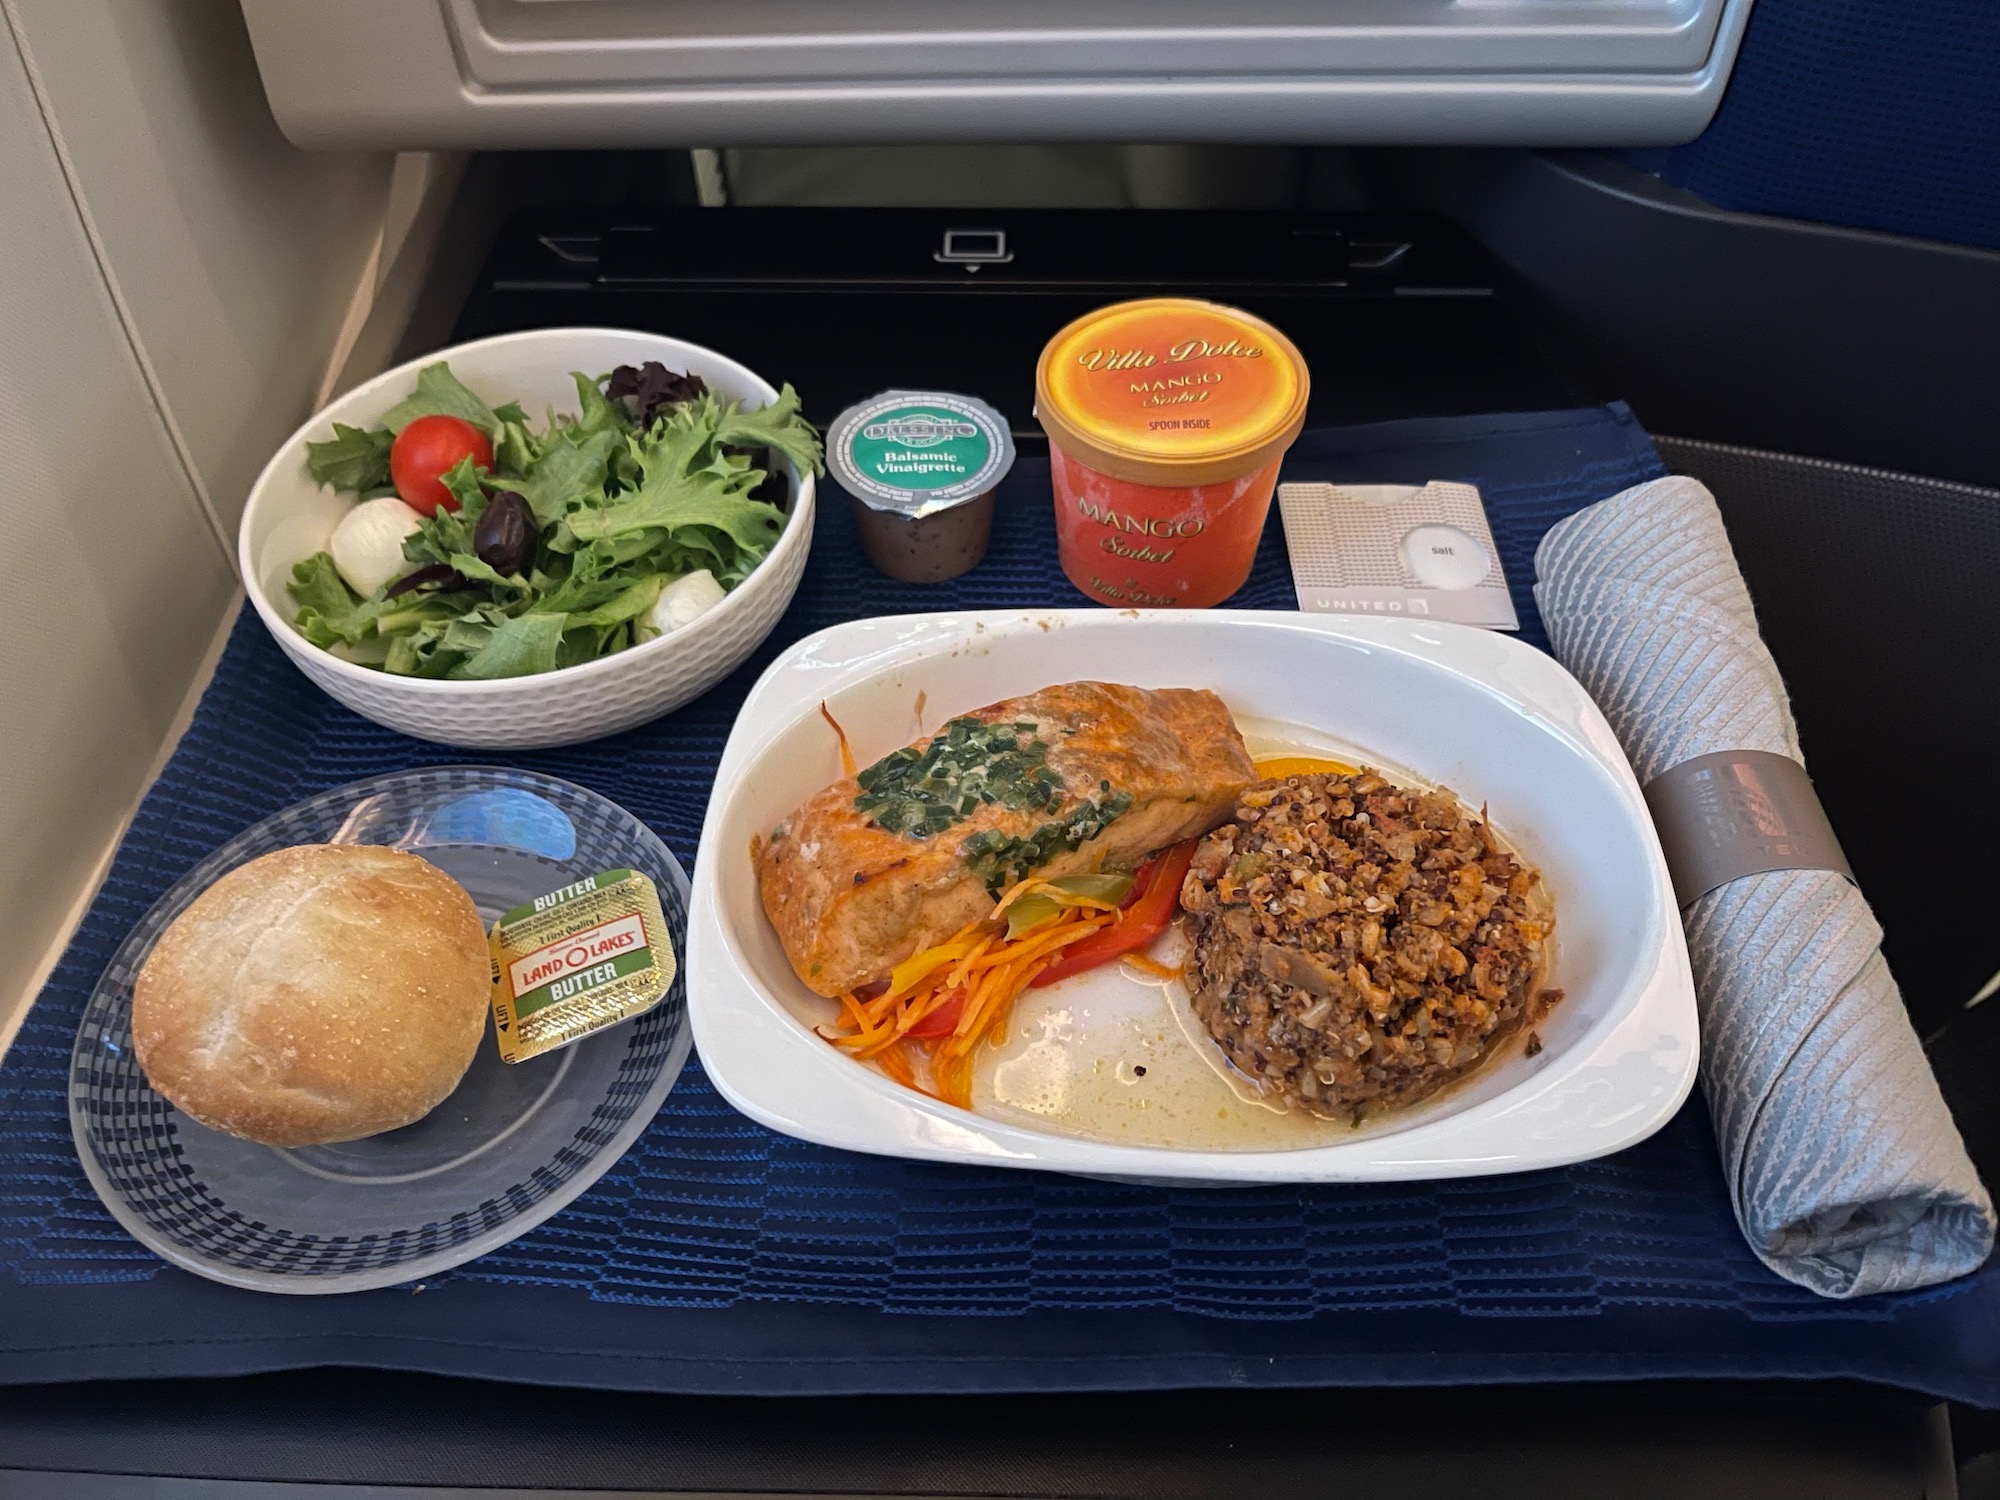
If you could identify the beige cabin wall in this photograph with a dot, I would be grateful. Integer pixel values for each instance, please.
(176, 277)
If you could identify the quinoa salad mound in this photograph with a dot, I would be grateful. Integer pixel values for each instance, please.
(1359, 944)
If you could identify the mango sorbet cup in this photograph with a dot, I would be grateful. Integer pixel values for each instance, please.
(1167, 419)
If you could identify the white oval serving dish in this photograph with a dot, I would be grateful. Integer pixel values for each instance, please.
(1496, 721)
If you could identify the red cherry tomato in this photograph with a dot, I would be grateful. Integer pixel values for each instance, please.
(425, 451)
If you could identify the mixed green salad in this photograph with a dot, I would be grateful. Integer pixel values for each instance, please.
(484, 548)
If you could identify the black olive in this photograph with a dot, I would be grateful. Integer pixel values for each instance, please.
(506, 534)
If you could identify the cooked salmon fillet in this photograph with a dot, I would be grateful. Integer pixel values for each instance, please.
(1084, 776)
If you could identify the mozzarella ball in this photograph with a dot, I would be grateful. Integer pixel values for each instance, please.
(367, 545)
(683, 599)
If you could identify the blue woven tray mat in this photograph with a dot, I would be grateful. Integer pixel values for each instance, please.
(719, 1256)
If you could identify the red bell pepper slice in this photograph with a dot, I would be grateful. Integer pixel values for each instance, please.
(1157, 896)
(943, 1021)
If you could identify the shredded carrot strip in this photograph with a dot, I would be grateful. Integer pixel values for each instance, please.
(1012, 894)
(1034, 885)
(972, 956)
(1276, 767)
(982, 970)
(983, 989)
(846, 755)
(954, 1082)
(989, 961)
(898, 1067)
(1153, 967)
(879, 1009)
(864, 1028)
(881, 1046)
(1045, 940)
(996, 1035)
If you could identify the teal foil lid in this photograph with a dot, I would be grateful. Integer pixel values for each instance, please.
(914, 453)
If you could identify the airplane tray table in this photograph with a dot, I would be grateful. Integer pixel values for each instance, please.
(717, 1257)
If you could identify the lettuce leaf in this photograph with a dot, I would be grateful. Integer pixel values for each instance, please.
(627, 603)
(441, 393)
(473, 569)
(515, 449)
(446, 534)
(326, 605)
(778, 426)
(352, 459)
(686, 483)
(523, 646)
(567, 470)
(596, 412)
(422, 652)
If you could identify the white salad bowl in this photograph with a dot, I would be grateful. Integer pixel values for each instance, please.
(1496, 721)
(289, 517)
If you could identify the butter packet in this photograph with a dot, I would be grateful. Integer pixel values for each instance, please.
(577, 960)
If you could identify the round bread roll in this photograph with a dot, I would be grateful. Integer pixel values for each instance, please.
(317, 994)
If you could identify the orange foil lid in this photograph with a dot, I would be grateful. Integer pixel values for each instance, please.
(1171, 391)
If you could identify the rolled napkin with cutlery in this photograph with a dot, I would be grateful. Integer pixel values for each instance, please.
(1847, 1173)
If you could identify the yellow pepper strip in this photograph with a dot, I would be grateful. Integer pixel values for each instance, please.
(908, 974)
(1277, 767)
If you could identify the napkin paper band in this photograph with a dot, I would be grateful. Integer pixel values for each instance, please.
(1736, 813)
